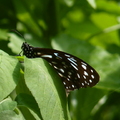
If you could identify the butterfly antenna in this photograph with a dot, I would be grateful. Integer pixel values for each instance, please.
(16, 31)
(19, 35)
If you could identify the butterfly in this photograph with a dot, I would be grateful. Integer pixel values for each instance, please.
(74, 72)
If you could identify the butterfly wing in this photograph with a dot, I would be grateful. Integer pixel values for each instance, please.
(74, 72)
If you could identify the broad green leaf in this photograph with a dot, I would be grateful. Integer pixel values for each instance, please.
(7, 104)
(10, 115)
(28, 101)
(15, 43)
(47, 89)
(28, 113)
(21, 87)
(9, 111)
(9, 74)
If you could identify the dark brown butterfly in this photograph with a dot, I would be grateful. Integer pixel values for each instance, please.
(74, 72)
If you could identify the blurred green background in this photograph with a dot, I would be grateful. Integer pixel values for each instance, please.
(88, 29)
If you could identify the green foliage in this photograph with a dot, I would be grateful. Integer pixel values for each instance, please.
(30, 88)
(9, 74)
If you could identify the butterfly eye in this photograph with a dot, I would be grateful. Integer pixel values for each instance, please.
(74, 72)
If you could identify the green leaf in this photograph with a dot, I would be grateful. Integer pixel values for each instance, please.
(7, 104)
(8, 110)
(9, 74)
(47, 89)
(15, 43)
(28, 101)
(10, 115)
(28, 113)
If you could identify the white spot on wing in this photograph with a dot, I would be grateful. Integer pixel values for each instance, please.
(38, 53)
(84, 76)
(93, 76)
(68, 79)
(56, 54)
(66, 87)
(85, 82)
(74, 66)
(78, 75)
(61, 70)
(85, 73)
(73, 86)
(64, 83)
(69, 76)
(91, 70)
(84, 67)
(82, 84)
(55, 67)
(60, 74)
(67, 55)
(72, 61)
(84, 63)
(90, 81)
(47, 56)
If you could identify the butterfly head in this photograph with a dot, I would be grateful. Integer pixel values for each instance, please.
(27, 50)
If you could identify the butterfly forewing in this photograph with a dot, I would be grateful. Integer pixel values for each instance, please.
(74, 72)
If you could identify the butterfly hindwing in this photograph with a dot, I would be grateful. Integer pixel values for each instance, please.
(74, 72)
